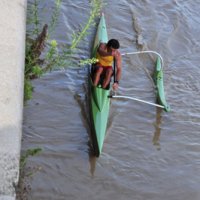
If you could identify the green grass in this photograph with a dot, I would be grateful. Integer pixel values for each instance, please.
(27, 154)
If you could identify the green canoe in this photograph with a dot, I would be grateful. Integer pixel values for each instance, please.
(160, 86)
(99, 100)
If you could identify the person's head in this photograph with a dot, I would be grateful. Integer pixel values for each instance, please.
(113, 44)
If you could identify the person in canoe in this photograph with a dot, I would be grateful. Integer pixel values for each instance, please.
(106, 53)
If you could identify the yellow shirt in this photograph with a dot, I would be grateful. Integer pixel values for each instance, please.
(105, 61)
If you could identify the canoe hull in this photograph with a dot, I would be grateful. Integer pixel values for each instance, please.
(100, 106)
(99, 100)
(160, 85)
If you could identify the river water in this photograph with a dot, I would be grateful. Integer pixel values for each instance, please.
(148, 153)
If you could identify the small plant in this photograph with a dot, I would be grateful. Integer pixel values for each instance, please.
(88, 61)
(33, 18)
(55, 16)
(23, 186)
(28, 153)
(52, 58)
(95, 11)
(28, 89)
(37, 62)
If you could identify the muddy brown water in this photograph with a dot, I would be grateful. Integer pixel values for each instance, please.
(148, 153)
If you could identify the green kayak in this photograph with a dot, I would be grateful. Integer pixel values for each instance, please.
(160, 86)
(99, 100)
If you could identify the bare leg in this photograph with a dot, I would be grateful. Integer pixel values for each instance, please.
(97, 76)
(107, 78)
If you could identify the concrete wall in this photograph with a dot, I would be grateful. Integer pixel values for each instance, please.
(12, 50)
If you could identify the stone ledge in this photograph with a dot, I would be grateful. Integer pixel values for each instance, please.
(12, 56)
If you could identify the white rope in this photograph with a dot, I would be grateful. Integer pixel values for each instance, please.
(132, 98)
(142, 52)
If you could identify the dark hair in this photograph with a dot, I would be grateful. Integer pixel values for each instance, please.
(113, 43)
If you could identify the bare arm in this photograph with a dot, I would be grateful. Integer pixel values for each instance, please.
(119, 69)
(118, 65)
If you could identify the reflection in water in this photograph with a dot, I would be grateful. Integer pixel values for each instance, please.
(156, 137)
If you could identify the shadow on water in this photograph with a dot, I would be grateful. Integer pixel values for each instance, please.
(92, 160)
(92, 155)
(86, 122)
(84, 103)
(156, 137)
(91, 149)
